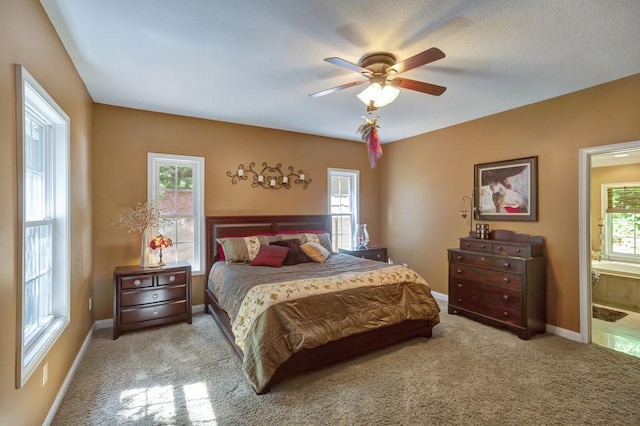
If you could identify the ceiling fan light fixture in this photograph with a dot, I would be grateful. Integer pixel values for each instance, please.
(381, 95)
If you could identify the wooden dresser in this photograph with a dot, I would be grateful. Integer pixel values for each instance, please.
(500, 281)
(144, 297)
(372, 253)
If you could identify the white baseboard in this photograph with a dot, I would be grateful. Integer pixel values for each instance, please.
(67, 380)
(440, 296)
(563, 332)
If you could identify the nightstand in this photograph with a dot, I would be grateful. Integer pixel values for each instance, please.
(372, 253)
(145, 297)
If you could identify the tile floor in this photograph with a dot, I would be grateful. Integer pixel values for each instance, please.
(622, 335)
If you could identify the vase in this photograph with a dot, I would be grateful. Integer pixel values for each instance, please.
(361, 236)
(145, 250)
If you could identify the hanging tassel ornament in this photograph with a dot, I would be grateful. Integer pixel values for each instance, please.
(369, 132)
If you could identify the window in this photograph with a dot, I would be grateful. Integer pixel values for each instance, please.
(43, 221)
(176, 182)
(343, 205)
(622, 220)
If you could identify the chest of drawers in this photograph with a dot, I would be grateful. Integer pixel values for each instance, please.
(500, 281)
(372, 253)
(144, 297)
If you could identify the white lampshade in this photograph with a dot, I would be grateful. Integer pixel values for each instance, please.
(380, 95)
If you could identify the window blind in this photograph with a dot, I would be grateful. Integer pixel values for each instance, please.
(624, 199)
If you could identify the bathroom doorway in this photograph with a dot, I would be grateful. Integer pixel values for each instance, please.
(609, 285)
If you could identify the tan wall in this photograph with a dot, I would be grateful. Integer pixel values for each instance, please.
(602, 175)
(424, 178)
(123, 137)
(28, 38)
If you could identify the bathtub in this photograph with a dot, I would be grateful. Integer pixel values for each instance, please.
(621, 269)
(619, 284)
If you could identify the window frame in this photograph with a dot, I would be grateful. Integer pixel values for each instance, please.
(354, 175)
(155, 159)
(34, 102)
(608, 225)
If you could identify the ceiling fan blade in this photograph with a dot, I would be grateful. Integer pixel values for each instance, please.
(348, 65)
(419, 86)
(335, 89)
(418, 60)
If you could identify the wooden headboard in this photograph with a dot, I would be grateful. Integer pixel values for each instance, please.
(242, 226)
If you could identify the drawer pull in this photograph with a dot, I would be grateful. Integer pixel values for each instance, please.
(137, 282)
(467, 245)
(505, 296)
(459, 257)
(155, 313)
(459, 300)
(459, 285)
(378, 256)
(172, 278)
(459, 271)
(506, 314)
(506, 265)
(518, 250)
(155, 295)
(505, 279)
(499, 247)
(483, 246)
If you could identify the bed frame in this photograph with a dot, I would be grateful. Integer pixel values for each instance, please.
(307, 359)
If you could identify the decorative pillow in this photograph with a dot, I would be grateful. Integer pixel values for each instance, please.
(315, 252)
(295, 255)
(320, 237)
(273, 256)
(243, 249)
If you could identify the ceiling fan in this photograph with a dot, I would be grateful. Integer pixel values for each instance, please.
(380, 68)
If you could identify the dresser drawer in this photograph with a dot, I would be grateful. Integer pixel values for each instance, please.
(501, 297)
(134, 315)
(512, 250)
(500, 279)
(517, 266)
(152, 295)
(501, 313)
(475, 244)
(167, 278)
(137, 281)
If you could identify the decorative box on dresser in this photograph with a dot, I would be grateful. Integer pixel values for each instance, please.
(145, 297)
(500, 281)
(372, 253)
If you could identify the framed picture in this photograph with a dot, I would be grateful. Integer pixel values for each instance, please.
(507, 190)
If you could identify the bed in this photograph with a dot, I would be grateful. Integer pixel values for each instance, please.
(276, 339)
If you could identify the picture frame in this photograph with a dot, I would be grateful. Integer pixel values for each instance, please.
(507, 190)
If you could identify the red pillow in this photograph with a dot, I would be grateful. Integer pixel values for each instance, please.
(273, 256)
(295, 255)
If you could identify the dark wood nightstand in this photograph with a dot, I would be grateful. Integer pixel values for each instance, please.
(144, 297)
(372, 253)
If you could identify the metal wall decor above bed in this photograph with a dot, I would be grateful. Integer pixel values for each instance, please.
(269, 177)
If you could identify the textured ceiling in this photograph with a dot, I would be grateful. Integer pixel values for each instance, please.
(255, 62)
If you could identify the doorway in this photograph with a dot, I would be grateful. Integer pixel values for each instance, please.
(623, 335)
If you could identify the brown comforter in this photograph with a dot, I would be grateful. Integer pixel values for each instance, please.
(279, 311)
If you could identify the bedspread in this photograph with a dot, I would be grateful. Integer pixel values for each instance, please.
(271, 321)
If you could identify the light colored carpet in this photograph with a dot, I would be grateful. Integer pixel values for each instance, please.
(467, 373)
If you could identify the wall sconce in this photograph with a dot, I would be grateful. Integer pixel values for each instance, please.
(269, 177)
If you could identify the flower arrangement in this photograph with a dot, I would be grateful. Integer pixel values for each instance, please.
(369, 132)
(144, 215)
